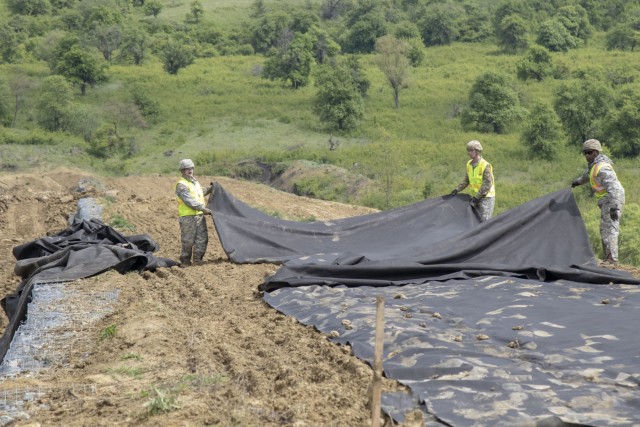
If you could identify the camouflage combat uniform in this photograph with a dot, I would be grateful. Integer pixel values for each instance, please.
(486, 192)
(610, 194)
(193, 228)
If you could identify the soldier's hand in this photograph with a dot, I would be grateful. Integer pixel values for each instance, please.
(575, 183)
(454, 192)
(474, 201)
(206, 211)
(614, 213)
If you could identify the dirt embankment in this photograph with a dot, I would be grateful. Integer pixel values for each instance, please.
(183, 347)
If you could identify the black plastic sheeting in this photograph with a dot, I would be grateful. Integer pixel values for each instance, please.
(505, 322)
(86, 248)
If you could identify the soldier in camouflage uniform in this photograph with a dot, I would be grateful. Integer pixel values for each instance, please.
(480, 177)
(191, 207)
(609, 193)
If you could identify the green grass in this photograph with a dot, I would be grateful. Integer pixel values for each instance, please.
(161, 400)
(129, 371)
(108, 332)
(120, 222)
(219, 111)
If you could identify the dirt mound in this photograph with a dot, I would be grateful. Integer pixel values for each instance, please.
(192, 346)
(308, 178)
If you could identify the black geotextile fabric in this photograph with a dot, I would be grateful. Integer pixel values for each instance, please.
(86, 248)
(505, 322)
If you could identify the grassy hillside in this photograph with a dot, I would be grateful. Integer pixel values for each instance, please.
(219, 111)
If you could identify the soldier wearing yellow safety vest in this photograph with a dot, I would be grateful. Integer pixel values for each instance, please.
(608, 192)
(191, 210)
(479, 177)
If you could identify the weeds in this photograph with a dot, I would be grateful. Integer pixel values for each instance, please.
(131, 356)
(161, 400)
(129, 371)
(120, 222)
(108, 332)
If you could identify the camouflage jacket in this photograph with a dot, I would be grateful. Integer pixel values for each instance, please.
(615, 191)
(183, 192)
(487, 181)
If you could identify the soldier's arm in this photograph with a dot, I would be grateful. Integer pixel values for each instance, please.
(487, 182)
(464, 184)
(611, 185)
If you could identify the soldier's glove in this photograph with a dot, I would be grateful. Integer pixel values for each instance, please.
(575, 183)
(474, 201)
(206, 211)
(454, 192)
(614, 213)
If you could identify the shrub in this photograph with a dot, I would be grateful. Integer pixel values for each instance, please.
(542, 133)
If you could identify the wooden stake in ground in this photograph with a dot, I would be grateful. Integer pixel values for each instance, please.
(376, 387)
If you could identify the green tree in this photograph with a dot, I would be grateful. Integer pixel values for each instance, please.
(267, 31)
(197, 12)
(9, 44)
(622, 126)
(542, 133)
(149, 107)
(83, 121)
(58, 45)
(556, 37)
(135, 44)
(536, 64)
(580, 105)
(352, 63)
(292, 62)
(82, 68)
(258, 9)
(622, 37)
(29, 7)
(477, 25)
(152, 8)
(176, 55)
(21, 86)
(366, 22)
(302, 21)
(441, 23)
(392, 60)
(324, 46)
(513, 33)
(338, 101)
(53, 101)
(576, 20)
(493, 104)
(5, 104)
(106, 38)
(100, 12)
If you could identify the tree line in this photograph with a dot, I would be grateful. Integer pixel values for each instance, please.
(321, 42)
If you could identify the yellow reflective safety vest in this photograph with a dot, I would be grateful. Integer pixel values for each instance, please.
(196, 192)
(476, 174)
(596, 183)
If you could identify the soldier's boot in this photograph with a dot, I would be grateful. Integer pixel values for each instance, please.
(185, 262)
(198, 260)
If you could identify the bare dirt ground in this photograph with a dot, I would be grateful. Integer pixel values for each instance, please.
(184, 346)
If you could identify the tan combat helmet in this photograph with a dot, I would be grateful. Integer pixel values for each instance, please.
(474, 145)
(592, 144)
(186, 164)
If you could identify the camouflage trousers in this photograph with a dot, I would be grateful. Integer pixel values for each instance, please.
(609, 231)
(194, 236)
(485, 208)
